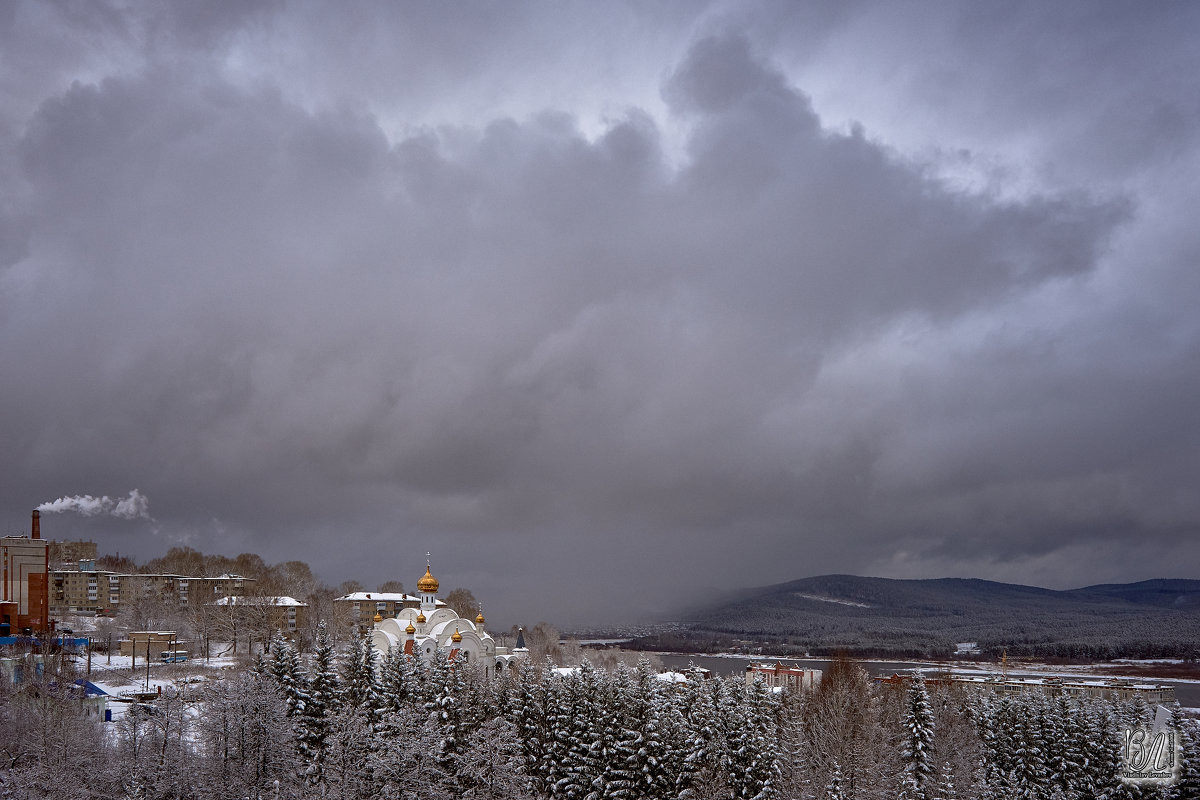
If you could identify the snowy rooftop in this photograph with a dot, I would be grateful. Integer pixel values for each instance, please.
(259, 601)
(672, 677)
(394, 597)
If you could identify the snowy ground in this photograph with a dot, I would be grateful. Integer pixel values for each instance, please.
(122, 680)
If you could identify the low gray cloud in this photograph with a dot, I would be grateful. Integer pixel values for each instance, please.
(623, 328)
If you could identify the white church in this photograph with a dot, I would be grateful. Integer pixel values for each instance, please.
(434, 626)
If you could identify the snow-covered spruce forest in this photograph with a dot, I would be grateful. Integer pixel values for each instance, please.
(350, 728)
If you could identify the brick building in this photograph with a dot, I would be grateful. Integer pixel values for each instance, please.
(24, 584)
(780, 676)
(86, 589)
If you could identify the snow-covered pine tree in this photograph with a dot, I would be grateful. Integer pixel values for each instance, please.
(908, 788)
(1000, 718)
(620, 779)
(491, 762)
(748, 721)
(795, 769)
(259, 667)
(673, 727)
(1059, 733)
(607, 733)
(573, 735)
(360, 677)
(289, 675)
(529, 716)
(321, 705)
(356, 727)
(704, 756)
(946, 790)
(347, 766)
(918, 736)
(445, 707)
(1134, 713)
(1104, 750)
(555, 768)
(1031, 747)
(427, 679)
(397, 683)
(409, 766)
(653, 778)
(763, 716)
(594, 729)
(834, 790)
(1187, 787)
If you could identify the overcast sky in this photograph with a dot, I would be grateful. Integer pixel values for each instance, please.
(602, 304)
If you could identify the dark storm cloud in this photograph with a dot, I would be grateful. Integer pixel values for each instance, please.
(352, 287)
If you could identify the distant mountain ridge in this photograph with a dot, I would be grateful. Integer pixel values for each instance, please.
(887, 616)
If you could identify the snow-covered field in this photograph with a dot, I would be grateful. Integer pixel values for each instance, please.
(122, 680)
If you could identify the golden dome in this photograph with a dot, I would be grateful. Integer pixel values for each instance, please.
(421, 616)
(378, 617)
(479, 619)
(428, 583)
(410, 630)
(457, 637)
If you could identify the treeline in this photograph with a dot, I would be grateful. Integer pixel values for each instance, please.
(293, 578)
(1105, 644)
(350, 727)
(926, 618)
(244, 627)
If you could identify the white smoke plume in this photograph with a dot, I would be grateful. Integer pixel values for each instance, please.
(135, 506)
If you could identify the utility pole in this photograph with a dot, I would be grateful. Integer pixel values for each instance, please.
(147, 662)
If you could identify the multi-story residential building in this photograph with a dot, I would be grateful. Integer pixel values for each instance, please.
(66, 555)
(283, 614)
(86, 589)
(1078, 686)
(361, 608)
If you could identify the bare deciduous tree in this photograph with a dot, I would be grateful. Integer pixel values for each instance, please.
(463, 602)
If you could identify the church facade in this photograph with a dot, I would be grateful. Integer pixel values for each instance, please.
(433, 626)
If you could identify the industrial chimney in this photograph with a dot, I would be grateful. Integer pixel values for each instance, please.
(36, 532)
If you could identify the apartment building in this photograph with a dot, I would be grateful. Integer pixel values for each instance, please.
(66, 555)
(88, 590)
(1051, 686)
(361, 608)
(283, 614)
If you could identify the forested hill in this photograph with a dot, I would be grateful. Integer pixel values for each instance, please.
(882, 616)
